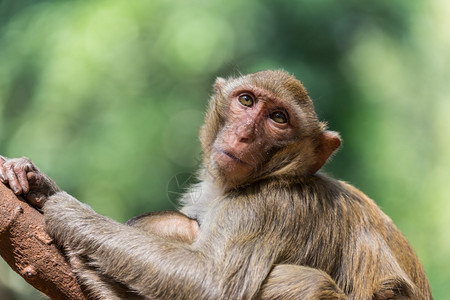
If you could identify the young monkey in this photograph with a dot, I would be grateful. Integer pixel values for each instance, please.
(261, 224)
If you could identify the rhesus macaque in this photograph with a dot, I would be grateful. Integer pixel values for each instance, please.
(261, 224)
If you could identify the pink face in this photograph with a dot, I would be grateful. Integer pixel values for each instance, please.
(257, 122)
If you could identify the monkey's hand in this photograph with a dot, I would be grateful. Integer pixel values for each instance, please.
(25, 178)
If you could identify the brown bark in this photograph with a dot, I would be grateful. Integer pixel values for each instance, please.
(30, 252)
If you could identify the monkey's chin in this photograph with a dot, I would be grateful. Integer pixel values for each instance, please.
(230, 166)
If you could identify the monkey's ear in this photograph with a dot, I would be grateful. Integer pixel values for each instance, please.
(329, 142)
(218, 85)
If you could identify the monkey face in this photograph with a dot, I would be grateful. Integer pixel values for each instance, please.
(262, 125)
(256, 123)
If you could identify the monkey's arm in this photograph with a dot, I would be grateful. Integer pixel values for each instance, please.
(139, 260)
(156, 267)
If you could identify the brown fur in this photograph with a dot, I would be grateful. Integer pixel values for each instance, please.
(279, 230)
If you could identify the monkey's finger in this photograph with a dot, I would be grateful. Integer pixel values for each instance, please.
(2, 169)
(34, 179)
(36, 199)
(3, 177)
(23, 180)
(12, 179)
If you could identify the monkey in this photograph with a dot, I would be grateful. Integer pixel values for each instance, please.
(262, 223)
(169, 224)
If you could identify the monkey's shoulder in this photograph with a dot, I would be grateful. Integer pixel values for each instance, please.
(318, 186)
(328, 201)
(317, 194)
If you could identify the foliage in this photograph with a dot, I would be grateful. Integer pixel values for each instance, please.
(107, 96)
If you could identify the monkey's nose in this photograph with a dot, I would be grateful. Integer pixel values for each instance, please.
(245, 133)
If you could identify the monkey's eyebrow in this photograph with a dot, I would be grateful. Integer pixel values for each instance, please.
(246, 88)
(280, 108)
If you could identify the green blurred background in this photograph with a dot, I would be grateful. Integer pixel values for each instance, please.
(107, 97)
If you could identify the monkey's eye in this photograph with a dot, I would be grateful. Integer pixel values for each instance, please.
(279, 117)
(246, 100)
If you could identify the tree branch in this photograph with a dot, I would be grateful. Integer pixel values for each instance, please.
(30, 251)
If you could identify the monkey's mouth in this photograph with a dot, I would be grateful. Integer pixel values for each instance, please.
(232, 156)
